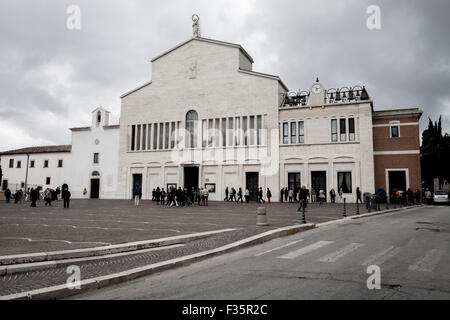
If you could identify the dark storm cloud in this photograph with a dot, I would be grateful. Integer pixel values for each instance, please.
(51, 77)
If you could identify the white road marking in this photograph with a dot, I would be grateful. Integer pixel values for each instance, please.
(428, 262)
(332, 257)
(305, 250)
(382, 256)
(278, 248)
(52, 240)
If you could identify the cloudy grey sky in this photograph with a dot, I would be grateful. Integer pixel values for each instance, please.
(52, 77)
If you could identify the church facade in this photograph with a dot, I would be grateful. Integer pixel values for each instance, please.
(208, 120)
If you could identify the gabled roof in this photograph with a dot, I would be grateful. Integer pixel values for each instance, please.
(43, 149)
(228, 44)
(265, 75)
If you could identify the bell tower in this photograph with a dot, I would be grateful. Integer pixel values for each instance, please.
(317, 96)
(100, 117)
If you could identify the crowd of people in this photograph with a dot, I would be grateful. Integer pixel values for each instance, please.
(35, 194)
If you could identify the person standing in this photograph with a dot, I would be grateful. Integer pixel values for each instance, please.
(313, 195)
(247, 195)
(290, 195)
(34, 194)
(162, 196)
(358, 195)
(269, 195)
(84, 193)
(333, 195)
(66, 197)
(137, 193)
(302, 197)
(7, 195)
(205, 197)
(341, 195)
(286, 193)
(48, 197)
(281, 195)
(417, 197)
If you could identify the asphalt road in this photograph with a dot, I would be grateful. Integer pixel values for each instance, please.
(411, 248)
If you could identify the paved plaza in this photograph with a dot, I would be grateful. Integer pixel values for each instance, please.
(93, 223)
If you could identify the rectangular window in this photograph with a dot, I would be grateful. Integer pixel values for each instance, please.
(144, 137)
(60, 163)
(244, 126)
(301, 132)
(394, 132)
(224, 129)
(210, 132)
(204, 133)
(172, 136)
(133, 136)
(293, 132)
(258, 130)
(230, 131)
(161, 135)
(149, 136)
(351, 129)
(178, 133)
(343, 130)
(155, 136)
(11, 163)
(166, 137)
(238, 131)
(32, 164)
(96, 157)
(47, 181)
(138, 137)
(345, 182)
(217, 132)
(285, 133)
(19, 164)
(45, 163)
(334, 136)
(252, 130)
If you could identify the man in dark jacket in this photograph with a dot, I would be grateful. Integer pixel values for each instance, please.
(66, 197)
(7, 195)
(34, 194)
(303, 196)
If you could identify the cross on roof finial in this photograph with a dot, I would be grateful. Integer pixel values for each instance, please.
(196, 26)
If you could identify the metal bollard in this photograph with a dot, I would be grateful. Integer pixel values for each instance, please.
(303, 212)
(370, 205)
(387, 204)
(357, 208)
(261, 217)
(345, 210)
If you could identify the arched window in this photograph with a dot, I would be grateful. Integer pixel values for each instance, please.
(99, 117)
(191, 129)
(96, 174)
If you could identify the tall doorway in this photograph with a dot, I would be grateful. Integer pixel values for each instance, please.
(95, 188)
(191, 177)
(319, 182)
(294, 181)
(252, 184)
(137, 181)
(397, 180)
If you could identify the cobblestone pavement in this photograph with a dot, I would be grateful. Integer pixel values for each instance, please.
(91, 223)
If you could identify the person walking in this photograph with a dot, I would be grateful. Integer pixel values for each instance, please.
(233, 194)
(333, 195)
(260, 196)
(205, 197)
(302, 197)
(66, 197)
(48, 197)
(162, 196)
(417, 197)
(358, 195)
(137, 193)
(226, 195)
(321, 197)
(240, 196)
(341, 195)
(7, 195)
(247, 195)
(269, 195)
(281, 195)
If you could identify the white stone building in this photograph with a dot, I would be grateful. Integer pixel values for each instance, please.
(95, 152)
(47, 167)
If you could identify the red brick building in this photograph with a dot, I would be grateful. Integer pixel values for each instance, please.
(396, 148)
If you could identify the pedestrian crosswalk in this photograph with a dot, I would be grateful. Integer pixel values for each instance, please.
(330, 251)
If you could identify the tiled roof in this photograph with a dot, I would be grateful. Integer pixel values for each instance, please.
(43, 149)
